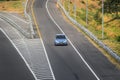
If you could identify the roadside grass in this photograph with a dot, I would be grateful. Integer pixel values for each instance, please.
(12, 6)
(110, 58)
(111, 25)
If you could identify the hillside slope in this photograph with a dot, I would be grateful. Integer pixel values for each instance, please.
(111, 25)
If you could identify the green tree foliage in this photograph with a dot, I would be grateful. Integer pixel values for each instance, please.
(112, 6)
(118, 38)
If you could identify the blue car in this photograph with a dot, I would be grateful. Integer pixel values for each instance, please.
(60, 39)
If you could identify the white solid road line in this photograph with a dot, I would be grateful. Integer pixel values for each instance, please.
(48, 60)
(20, 54)
(19, 18)
(72, 44)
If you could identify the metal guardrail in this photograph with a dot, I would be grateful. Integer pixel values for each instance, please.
(26, 34)
(100, 43)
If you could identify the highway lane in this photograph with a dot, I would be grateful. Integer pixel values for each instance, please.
(65, 62)
(93, 56)
(12, 66)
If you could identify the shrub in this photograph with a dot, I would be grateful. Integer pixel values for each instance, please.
(97, 17)
(118, 38)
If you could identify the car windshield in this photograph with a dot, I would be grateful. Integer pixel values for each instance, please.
(60, 37)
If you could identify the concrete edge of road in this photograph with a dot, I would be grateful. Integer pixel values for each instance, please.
(15, 25)
(40, 36)
(34, 19)
(20, 54)
(94, 38)
(85, 62)
(30, 34)
(30, 20)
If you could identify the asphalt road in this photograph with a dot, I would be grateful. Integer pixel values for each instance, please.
(65, 60)
(12, 66)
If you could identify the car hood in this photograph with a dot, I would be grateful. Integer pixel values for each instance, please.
(60, 40)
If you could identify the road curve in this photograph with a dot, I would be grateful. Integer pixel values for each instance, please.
(65, 61)
(12, 66)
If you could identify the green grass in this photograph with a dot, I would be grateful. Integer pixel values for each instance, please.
(111, 29)
(16, 5)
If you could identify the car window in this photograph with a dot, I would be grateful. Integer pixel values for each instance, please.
(60, 37)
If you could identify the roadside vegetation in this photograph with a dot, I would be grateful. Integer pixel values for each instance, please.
(16, 6)
(111, 19)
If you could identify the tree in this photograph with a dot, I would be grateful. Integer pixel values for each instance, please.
(112, 6)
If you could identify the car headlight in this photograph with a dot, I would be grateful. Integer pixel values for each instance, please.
(56, 41)
(65, 41)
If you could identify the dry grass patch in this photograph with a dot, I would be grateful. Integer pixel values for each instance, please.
(111, 25)
(12, 6)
